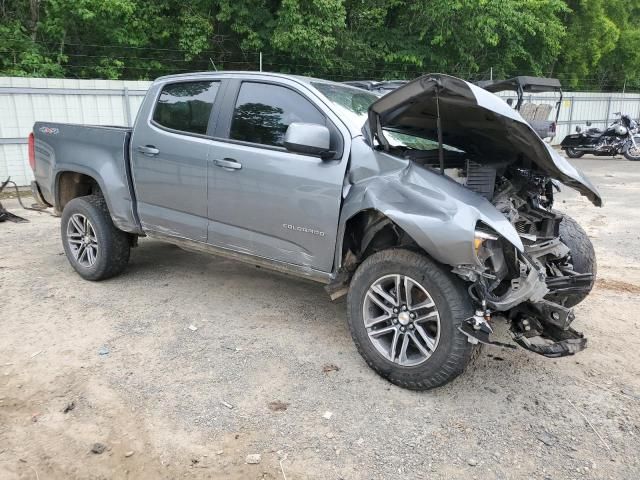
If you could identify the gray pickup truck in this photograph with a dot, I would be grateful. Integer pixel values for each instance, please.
(431, 208)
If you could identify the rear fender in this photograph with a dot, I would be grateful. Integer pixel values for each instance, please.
(121, 211)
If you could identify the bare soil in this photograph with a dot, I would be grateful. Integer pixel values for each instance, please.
(270, 369)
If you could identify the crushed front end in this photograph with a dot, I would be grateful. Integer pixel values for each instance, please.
(532, 268)
(533, 289)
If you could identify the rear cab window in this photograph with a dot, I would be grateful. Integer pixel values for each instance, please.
(186, 106)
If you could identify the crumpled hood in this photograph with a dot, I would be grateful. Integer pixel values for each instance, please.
(473, 120)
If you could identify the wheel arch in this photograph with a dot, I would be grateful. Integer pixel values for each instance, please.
(76, 181)
(70, 184)
(368, 231)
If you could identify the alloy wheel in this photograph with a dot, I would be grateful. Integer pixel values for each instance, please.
(82, 240)
(402, 320)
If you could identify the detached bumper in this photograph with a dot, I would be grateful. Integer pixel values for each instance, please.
(538, 323)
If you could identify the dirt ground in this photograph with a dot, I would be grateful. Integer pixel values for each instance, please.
(267, 357)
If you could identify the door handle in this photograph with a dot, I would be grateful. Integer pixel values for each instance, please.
(228, 163)
(148, 150)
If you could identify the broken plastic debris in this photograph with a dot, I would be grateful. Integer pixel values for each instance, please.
(193, 328)
(104, 350)
(327, 415)
(253, 458)
(226, 404)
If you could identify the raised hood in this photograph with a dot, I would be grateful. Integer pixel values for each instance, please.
(473, 120)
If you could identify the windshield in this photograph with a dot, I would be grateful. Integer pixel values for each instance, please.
(354, 103)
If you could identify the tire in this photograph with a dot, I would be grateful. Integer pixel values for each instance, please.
(583, 255)
(108, 247)
(628, 156)
(572, 153)
(452, 351)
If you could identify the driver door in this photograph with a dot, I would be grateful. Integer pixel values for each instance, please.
(262, 199)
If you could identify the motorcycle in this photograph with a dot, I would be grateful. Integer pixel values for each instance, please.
(619, 137)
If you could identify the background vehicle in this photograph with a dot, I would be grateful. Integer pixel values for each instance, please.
(381, 87)
(621, 136)
(335, 184)
(536, 114)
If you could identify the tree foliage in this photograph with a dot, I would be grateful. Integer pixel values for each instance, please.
(586, 43)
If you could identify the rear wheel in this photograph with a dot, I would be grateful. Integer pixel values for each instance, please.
(95, 248)
(404, 311)
(573, 153)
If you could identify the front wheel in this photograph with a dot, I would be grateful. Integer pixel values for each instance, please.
(583, 256)
(95, 248)
(404, 311)
(573, 153)
(632, 152)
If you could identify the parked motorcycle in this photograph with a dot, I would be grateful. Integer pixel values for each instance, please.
(620, 137)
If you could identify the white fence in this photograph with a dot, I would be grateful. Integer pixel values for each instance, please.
(115, 102)
(26, 100)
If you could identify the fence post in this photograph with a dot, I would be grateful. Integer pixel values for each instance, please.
(606, 119)
(571, 114)
(127, 106)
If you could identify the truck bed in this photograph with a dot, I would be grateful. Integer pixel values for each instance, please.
(101, 152)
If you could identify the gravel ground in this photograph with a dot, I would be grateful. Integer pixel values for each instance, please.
(187, 364)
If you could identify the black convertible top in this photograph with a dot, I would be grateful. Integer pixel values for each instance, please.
(525, 83)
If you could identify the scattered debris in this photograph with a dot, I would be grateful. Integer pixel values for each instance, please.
(278, 406)
(327, 415)
(226, 404)
(546, 439)
(590, 424)
(35, 471)
(623, 392)
(193, 328)
(98, 448)
(282, 468)
(253, 458)
(219, 452)
(360, 441)
(35, 416)
(472, 461)
(329, 435)
(129, 453)
(104, 350)
(33, 355)
(330, 367)
(69, 406)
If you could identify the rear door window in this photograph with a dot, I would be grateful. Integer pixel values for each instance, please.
(186, 106)
(264, 111)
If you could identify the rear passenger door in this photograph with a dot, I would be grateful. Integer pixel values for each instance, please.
(169, 151)
(263, 199)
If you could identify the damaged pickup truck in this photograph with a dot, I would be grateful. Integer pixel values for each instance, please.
(431, 207)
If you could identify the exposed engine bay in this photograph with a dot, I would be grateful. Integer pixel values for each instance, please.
(534, 289)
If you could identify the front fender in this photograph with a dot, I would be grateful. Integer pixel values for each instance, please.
(437, 212)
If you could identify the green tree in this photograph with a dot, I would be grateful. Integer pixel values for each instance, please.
(586, 43)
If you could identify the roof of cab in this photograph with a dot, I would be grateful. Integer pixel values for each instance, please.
(248, 73)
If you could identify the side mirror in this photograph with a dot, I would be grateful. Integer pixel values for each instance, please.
(578, 129)
(309, 138)
(588, 124)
